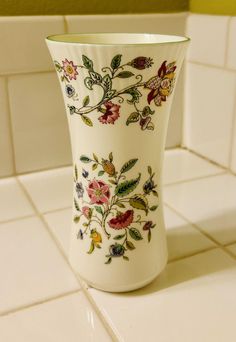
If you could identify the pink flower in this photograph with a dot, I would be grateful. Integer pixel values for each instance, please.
(86, 212)
(122, 220)
(69, 69)
(98, 192)
(111, 113)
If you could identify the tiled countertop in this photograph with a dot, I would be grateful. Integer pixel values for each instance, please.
(193, 300)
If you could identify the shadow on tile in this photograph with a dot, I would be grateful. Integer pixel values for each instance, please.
(182, 271)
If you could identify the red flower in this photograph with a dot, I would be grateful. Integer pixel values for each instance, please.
(161, 85)
(111, 113)
(122, 220)
(98, 192)
(86, 212)
(141, 63)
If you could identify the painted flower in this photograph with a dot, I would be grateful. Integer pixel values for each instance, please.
(85, 173)
(141, 63)
(148, 225)
(70, 90)
(108, 167)
(71, 109)
(70, 69)
(80, 235)
(146, 123)
(122, 220)
(149, 186)
(110, 114)
(98, 192)
(87, 212)
(117, 250)
(95, 236)
(79, 189)
(161, 85)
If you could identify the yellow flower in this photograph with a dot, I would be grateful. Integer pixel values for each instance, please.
(95, 236)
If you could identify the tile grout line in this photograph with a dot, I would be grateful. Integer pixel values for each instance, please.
(17, 218)
(212, 66)
(26, 73)
(194, 179)
(38, 302)
(233, 129)
(10, 123)
(218, 244)
(65, 23)
(80, 282)
(227, 42)
(192, 254)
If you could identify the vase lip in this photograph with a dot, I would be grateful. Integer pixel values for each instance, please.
(116, 39)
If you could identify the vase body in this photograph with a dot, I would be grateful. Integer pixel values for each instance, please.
(118, 91)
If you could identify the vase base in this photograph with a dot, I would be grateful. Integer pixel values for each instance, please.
(125, 288)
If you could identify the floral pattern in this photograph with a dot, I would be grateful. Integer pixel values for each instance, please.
(108, 205)
(109, 107)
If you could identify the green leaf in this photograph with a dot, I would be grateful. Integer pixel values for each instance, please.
(109, 94)
(127, 187)
(135, 234)
(86, 120)
(133, 117)
(106, 81)
(94, 166)
(124, 74)
(88, 83)
(115, 63)
(154, 207)
(155, 193)
(108, 261)
(76, 205)
(98, 209)
(120, 205)
(76, 172)
(128, 165)
(101, 173)
(139, 202)
(147, 111)
(135, 93)
(76, 219)
(57, 66)
(119, 237)
(112, 181)
(95, 76)
(95, 157)
(85, 159)
(86, 101)
(91, 249)
(110, 156)
(87, 62)
(125, 257)
(150, 170)
(149, 235)
(130, 245)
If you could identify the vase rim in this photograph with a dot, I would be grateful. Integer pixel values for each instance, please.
(114, 39)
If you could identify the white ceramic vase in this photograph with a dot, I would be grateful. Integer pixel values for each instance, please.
(117, 90)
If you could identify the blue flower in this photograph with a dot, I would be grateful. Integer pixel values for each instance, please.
(79, 189)
(70, 90)
(117, 250)
(71, 109)
(80, 235)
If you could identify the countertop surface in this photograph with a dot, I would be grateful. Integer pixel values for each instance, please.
(193, 300)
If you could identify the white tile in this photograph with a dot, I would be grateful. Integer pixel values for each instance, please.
(32, 268)
(50, 190)
(59, 223)
(153, 23)
(66, 319)
(210, 203)
(40, 132)
(209, 111)
(233, 154)
(182, 238)
(193, 300)
(23, 47)
(6, 153)
(13, 202)
(181, 165)
(232, 248)
(231, 55)
(208, 35)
